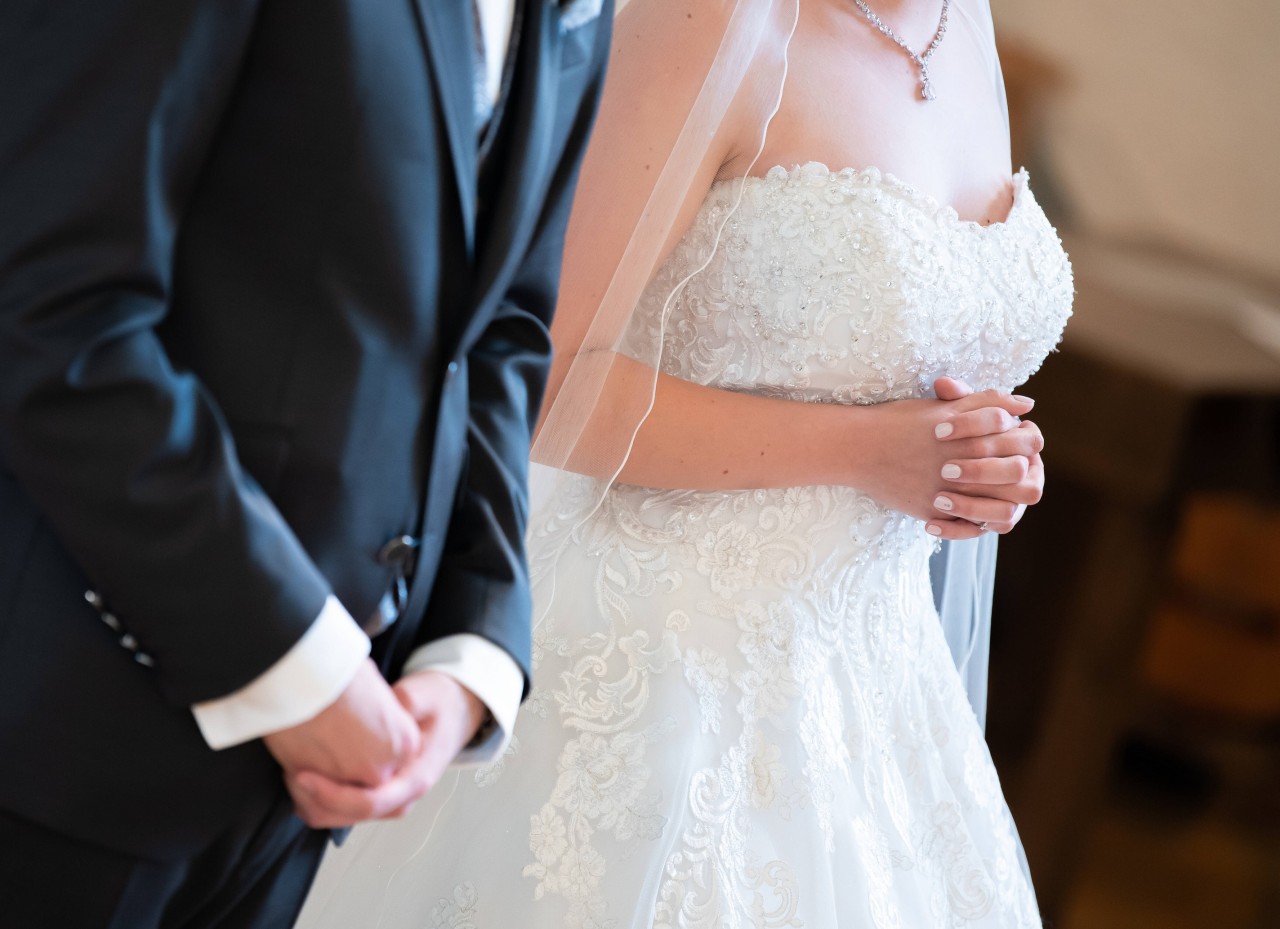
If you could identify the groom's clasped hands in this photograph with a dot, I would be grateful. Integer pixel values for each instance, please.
(376, 749)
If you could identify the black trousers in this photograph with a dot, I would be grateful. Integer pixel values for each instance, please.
(255, 876)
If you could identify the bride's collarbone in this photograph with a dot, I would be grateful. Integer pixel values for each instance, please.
(865, 114)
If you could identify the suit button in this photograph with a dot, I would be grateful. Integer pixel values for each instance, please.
(129, 642)
(398, 551)
(112, 623)
(144, 659)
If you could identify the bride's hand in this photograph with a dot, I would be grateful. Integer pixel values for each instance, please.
(902, 447)
(984, 488)
(978, 438)
(997, 505)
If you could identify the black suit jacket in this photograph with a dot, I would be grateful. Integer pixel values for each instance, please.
(249, 334)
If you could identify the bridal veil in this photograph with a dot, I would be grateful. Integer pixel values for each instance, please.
(604, 380)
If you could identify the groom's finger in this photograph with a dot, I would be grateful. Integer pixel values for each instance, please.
(324, 803)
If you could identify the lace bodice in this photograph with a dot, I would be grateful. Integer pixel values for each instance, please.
(855, 287)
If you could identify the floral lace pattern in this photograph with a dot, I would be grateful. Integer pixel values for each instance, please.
(744, 712)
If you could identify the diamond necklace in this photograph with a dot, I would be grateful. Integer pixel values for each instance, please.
(922, 61)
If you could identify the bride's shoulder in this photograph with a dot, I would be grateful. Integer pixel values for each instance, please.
(667, 54)
(674, 39)
(694, 14)
(682, 38)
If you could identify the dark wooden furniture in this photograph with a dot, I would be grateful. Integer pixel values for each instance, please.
(1167, 384)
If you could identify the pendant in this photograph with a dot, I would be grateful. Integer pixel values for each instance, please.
(926, 86)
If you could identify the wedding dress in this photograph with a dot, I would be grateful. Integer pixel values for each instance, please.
(744, 712)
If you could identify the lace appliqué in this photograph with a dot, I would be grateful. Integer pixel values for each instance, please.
(728, 685)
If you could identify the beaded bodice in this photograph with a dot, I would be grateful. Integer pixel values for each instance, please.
(855, 287)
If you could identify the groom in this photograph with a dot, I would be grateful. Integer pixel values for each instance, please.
(275, 282)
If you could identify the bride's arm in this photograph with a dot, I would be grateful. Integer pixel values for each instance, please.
(699, 437)
(703, 438)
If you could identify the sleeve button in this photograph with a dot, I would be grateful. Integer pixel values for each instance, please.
(397, 551)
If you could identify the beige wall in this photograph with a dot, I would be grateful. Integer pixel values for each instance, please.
(1170, 125)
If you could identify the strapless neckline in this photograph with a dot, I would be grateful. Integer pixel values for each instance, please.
(871, 176)
(854, 286)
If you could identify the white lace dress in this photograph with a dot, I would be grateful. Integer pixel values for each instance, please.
(744, 711)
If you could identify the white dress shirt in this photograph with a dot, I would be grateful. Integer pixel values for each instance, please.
(496, 18)
(315, 672)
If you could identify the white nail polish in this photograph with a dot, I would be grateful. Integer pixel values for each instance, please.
(943, 503)
(932, 529)
(942, 430)
(951, 471)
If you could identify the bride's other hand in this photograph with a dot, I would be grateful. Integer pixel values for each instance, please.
(972, 505)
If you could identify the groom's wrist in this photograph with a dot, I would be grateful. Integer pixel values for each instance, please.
(488, 672)
(308, 678)
(484, 732)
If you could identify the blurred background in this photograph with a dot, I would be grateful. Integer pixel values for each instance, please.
(1135, 683)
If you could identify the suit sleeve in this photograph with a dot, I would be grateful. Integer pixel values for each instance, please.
(110, 108)
(483, 585)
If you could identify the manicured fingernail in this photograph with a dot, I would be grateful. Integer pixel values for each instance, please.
(1023, 399)
(933, 529)
(942, 430)
(943, 503)
(951, 471)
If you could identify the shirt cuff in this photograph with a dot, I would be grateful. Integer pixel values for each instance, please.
(309, 677)
(488, 672)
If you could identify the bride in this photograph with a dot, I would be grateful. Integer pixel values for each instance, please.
(743, 711)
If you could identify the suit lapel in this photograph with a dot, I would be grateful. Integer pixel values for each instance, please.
(447, 32)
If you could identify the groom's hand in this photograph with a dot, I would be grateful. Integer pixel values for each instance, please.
(448, 716)
(363, 737)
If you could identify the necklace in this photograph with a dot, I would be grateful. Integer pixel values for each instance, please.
(922, 60)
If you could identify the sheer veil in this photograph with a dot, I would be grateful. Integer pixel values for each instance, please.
(604, 382)
(963, 573)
